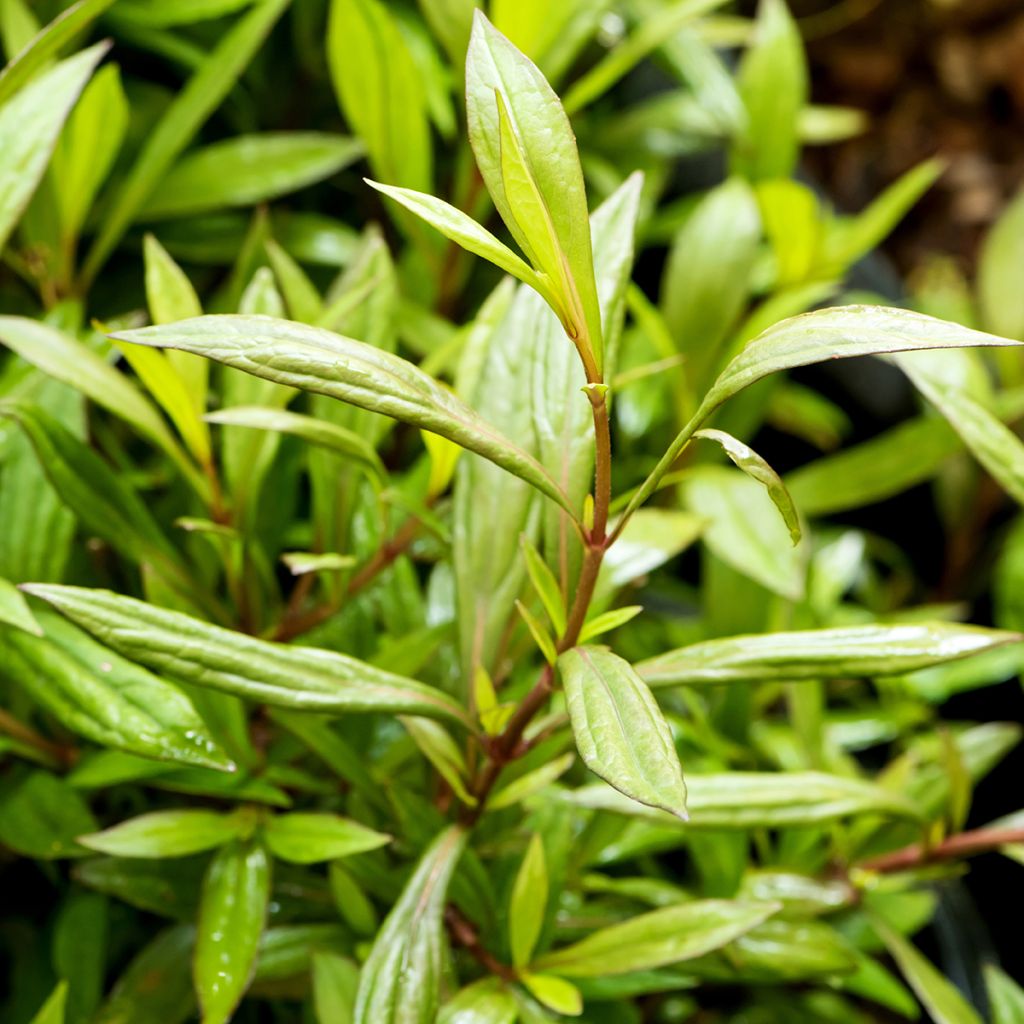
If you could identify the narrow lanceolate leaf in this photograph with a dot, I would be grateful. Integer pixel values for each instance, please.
(662, 937)
(993, 443)
(14, 611)
(938, 994)
(30, 124)
(52, 1011)
(727, 800)
(535, 118)
(400, 980)
(843, 652)
(1005, 996)
(757, 469)
(620, 731)
(194, 652)
(249, 169)
(528, 904)
(307, 837)
(839, 333)
(315, 431)
(329, 364)
(236, 892)
(105, 698)
(167, 834)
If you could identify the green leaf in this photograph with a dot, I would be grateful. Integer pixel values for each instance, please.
(329, 364)
(545, 584)
(52, 1011)
(157, 984)
(651, 538)
(169, 13)
(728, 800)
(1000, 298)
(839, 333)
(401, 978)
(30, 124)
(531, 782)
(335, 982)
(40, 816)
(380, 90)
(773, 83)
(47, 44)
(310, 837)
(442, 752)
(484, 1002)
(248, 169)
(620, 731)
(993, 443)
(300, 294)
(541, 637)
(839, 653)
(757, 469)
(192, 105)
(14, 611)
(315, 431)
(936, 992)
(1005, 996)
(101, 696)
(555, 993)
(162, 834)
(232, 914)
(169, 888)
(528, 904)
(607, 621)
(662, 937)
(744, 529)
(499, 78)
(304, 678)
(300, 563)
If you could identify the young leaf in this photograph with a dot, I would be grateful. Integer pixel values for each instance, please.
(30, 124)
(248, 169)
(335, 982)
(545, 584)
(499, 77)
(555, 993)
(757, 469)
(607, 621)
(14, 611)
(936, 992)
(99, 695)
(842, 652)
(541, 637)
(308, 837)
(528, 904)
(329, 364)
(1001, 300)
(1005, 996)
(52, 1011)
(189, 110)
(620, 731)
(305, 678)
(662, 937)
(41, 815)
(232, 914)
(442, 752)
(401, 978)
(162, 834)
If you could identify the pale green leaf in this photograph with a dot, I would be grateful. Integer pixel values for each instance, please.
(528, 904)
(161, 834)
(306, 837)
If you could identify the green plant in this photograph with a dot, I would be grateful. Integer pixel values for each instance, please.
(397, 819)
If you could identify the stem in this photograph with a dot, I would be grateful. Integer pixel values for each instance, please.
(982, 840)
(19, 731)
(462, 931)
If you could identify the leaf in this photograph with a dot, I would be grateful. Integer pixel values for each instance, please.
(335, 982)
(442, 752)
(315, 431)
(773, 83)
(652, 537)
(169, 888)
(993, 443)
(304, 678)
(838, 333)
(545, 584)
(300, 563)
(937, 993)
(303, 299)
(14, 611)
(1000, 298)
(728, 800)
(757, 469)
(310, 837)
(40, 816)
(661, 937)
(101, 696)
(30, 124)
(1005, 996)
(232, 914)
(189, 110)
(528, 904)
(607, 621)
(499, 77)
(620, 731)
(531, 782)
(555, 993)
(401, 978)
(329, 364)
(541, 637)
(156, 984)
(744, 530)
(162, 834)
(248, 169)
(380, 90)
(838, 653)
(52, 1011)
(483, 1002)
